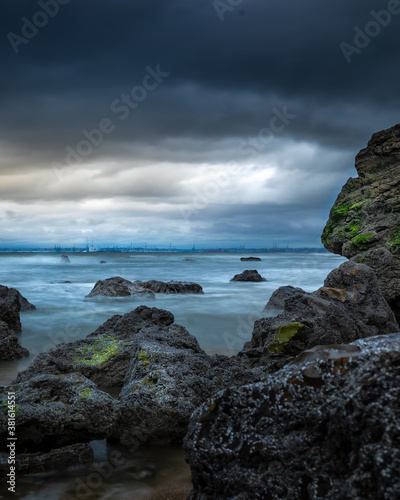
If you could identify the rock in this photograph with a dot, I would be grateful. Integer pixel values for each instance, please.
(250, 259)
(170, 287)
(248, 275)
(57, 459)
(119, 287)
(53, 411)
(103, 262)
(349, 306)
(65, 259)
(9, 345)
(10, 307)
(364, 222)
(163, 372)
(323, 428)
(277, 299)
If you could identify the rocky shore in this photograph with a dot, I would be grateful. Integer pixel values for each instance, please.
(308, 409)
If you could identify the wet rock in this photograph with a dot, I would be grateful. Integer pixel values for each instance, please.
(349, 306)
(65, 259)
(103, 262)
(278, 298)
(11, 304)
(325, 427)
(248, 275)
(119, 287)
(53, 411)
(250, 259)
(57, 459)
(364, 222)
(9, 344)
(170, 286)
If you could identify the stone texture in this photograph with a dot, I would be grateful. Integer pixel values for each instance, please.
(118, 287)
(323, 428)
(349, 306)
(249, 275)
(277, 299)
(57, 459)
(9, 344)
(53, 411)
(170, 286)
(364, 222)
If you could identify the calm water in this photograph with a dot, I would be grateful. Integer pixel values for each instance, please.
(221, 319)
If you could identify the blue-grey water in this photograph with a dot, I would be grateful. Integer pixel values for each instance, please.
(222, 320)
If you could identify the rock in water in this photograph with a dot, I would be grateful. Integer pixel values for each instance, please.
(250, 259)
(325, 428)
(118, 287)
(278, 298)
(249, 275)
(9, 345)
(170, 286)
(349, 306)
(65, 259)
(364, 222)
(53, 411)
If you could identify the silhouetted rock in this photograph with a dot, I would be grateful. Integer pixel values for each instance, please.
(324, 428)
(248, 275)
(9, 345)
(103, 262)
(250, 259)
(119, 287)
(349, 306)
(364, 222)
(170, 286)
(52, 411)
(278, 298)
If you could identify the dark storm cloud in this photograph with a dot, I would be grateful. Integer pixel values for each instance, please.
(226, 79)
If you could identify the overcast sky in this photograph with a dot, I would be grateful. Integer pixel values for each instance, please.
(215, 123)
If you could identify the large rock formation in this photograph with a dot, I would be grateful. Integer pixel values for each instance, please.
(249, 275)
(349, 306)
(170, 286)
(364, 222)
(11, 304)
(9, 345)
(163, 372)
(53, 411)
(118, 287)
(325, 428)
(279, 296)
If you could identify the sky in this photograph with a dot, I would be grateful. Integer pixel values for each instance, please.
(211, 122)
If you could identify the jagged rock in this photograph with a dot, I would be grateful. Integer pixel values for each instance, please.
(57, 459)
(9, 345)
(277, 299)
(11, 304)
(65, 259)
(53, 411)
(364, 222)
(324, 428)
(119, 287)
(349, 306)
(170, 286)
(250, 259)
(164, 373)
(248, 275)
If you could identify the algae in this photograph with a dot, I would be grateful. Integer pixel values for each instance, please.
(99, 352)
(283, 334)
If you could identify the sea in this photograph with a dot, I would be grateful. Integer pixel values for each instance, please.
(222, 321)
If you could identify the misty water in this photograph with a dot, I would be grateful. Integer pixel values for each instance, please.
(221, 319)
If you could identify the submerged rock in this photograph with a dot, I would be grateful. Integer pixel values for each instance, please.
(65, 259)
(364, 222)
(11, 304)
(324, 428)
(278, 298)
(52, 411)
(119, 287)
(9, 344)
(248, 275)
(170, 286)
(57, 459)
(349, 306)
(250, 259)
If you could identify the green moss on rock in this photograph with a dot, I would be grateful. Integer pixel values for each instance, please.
(143, 357)
(283, 334)
(99, 352)
(363, 241)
